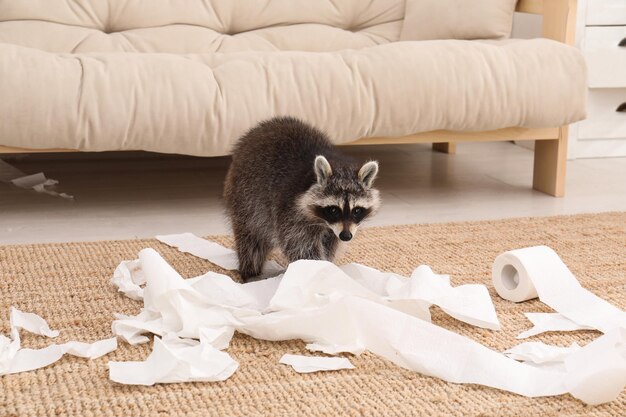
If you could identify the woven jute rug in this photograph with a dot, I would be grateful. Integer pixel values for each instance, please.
(68, 284)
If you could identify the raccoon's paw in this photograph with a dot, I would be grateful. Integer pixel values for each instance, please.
(262, 276)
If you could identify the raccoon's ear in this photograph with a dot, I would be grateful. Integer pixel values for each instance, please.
(368, 172)
(322, 169)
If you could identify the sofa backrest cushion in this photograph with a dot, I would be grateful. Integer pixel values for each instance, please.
(457, 19)
(204, 26)
(190, 26)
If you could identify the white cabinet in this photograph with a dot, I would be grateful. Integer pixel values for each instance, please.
(604, 12)
(606, 59)
(606, 114)
(601, 35)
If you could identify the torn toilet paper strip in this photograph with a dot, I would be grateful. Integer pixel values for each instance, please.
(469, 303)
(90, 350)
(212, 252)
(344, 317)
(229, 301)
(31, 322)
(202, 248)
(426, 348)
(550, 322)
(36, 182)
(31, 359)
(597, 372)
(15, 359)
(39, 183)
(523, 274)
(308, 364)
(175, 360)
(414, 296)
(132, 328)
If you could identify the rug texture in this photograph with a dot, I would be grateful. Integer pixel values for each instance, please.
(68, 284)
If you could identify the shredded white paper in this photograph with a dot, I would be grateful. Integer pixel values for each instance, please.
(550, 322)
(176, 360)
(36, 182)
(352, 309)
(348, 309)
(468, 303)
(212, 252)
(31, 322)
(597, 372)
(15, 359)
(39, 183)
(128, 278)
(308, 364)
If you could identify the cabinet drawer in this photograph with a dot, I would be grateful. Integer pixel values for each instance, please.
(606, 12)
(603, 119)
(606, 59)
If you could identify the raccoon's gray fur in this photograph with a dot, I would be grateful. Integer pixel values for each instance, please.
(288, 187)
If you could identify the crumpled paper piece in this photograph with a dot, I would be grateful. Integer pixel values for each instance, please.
(132, 328)
(334, 314)
(176, 360)
(229, 301)
(308, 364)
(469, 303)
(128, 278)
(15, 359)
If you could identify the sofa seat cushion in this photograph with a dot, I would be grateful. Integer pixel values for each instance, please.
(199, 104)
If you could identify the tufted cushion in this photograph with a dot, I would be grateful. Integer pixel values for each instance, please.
(199, 26)
(208, 70)
(457, 19)
(200, 104)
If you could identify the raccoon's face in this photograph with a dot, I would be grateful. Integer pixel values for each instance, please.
(342, 197)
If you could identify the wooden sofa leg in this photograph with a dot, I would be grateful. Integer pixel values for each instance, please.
(445, 147)
(550, 164)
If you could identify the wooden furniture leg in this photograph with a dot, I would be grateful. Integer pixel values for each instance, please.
(550, 164)
(445, 147)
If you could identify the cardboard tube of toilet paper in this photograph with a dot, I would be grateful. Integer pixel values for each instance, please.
(511, 278)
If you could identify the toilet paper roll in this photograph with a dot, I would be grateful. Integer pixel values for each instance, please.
(511, 279)
(527, 273)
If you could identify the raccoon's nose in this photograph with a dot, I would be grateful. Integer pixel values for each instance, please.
(345, 236)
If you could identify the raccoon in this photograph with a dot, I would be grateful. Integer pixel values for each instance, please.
(289, 188)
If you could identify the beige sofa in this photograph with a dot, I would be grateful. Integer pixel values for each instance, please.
(191, 76)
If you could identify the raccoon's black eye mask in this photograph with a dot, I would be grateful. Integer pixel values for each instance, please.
(359, 213)
(334, 214)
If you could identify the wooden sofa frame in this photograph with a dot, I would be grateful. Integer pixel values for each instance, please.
(559, 22)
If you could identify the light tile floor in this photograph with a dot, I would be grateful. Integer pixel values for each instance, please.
(130, 195)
